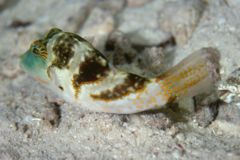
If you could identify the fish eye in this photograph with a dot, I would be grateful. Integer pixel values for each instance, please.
(35, 50)
(39, 48)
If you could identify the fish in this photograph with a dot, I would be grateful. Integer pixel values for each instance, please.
(81, 75)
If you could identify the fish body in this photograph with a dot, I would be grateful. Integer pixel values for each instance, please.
(81, 75)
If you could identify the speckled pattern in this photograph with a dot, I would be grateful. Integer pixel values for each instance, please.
(37, 124)
(82, 76)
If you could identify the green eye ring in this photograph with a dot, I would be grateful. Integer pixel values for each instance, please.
(39, 48)
(36, 59)
(34, 50)
(35, 64)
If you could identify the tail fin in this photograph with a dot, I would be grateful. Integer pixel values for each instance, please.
(194, 75)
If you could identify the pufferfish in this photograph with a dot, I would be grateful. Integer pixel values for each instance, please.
(81, 75)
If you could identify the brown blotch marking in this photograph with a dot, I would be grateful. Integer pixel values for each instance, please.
(61, 88)
(80, 39)
(131, 84)
(77, 37)
(90, 71)
(63, 50)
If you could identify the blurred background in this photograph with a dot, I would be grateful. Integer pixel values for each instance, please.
(36, 124)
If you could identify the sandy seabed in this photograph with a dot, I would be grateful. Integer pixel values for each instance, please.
(36, 124)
